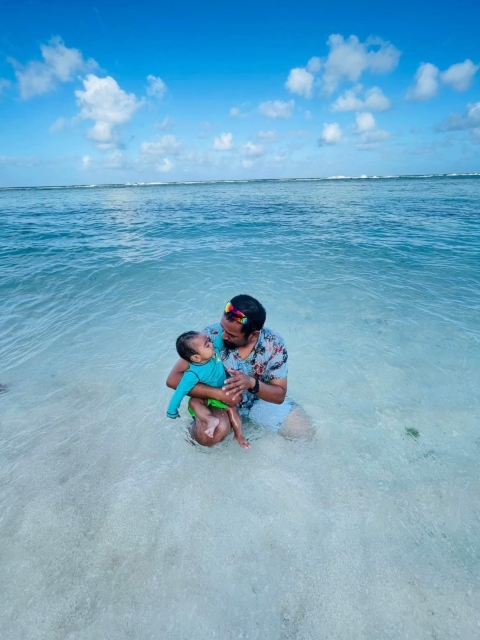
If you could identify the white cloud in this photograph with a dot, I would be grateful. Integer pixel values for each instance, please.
(251, 150)
(247, 163)
(349, 100)
(224, 142)
(59, 124)
(156, 87)
(63, 123)
(459, 76)
(331, 134)
(376, 100)
(457, 122)
(300, 81)
(103, 135)
(314, 65)
(115, 160)
(366, 128)
(370, 139)
(427, 79)
(267, 136)
(104, 102)
(165, 166)
(426, 83)
(364, 122)
(166, 146)
(236, 112)
(167, 124)
(60, 65)
(276, 108)
(348, 59)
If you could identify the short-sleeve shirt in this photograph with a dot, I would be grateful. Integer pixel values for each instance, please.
(268, 360)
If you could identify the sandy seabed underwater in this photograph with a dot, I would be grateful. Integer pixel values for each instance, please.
(114, 525)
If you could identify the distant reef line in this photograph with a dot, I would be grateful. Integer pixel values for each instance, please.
(172, 183)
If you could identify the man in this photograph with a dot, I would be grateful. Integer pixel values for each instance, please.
(257, 361)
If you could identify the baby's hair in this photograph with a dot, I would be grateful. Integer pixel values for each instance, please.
(184, 348)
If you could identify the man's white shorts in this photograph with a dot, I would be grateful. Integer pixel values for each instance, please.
(268, 415)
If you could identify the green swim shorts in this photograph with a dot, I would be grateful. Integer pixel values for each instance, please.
(211, 403)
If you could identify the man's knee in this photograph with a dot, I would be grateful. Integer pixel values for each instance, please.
(297, 425)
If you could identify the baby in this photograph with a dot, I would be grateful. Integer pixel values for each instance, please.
(206, 367)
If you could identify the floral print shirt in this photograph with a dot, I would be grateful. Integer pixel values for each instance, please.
(268, 360)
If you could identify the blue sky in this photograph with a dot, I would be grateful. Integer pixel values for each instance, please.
(146, 91)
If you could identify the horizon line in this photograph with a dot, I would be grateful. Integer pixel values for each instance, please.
(239, 180)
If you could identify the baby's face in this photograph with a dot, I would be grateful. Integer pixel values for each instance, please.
(203, 346)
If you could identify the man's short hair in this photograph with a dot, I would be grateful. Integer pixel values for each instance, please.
(254, 311)
(183, 344)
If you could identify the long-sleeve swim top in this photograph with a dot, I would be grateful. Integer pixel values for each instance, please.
(212, 373)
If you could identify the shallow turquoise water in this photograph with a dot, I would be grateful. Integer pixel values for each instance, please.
(112, 523)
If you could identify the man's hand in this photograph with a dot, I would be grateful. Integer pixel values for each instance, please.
(275, 391)
(237, 384)
(219, 394)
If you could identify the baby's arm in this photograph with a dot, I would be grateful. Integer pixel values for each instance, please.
(236, 422)
(188, 381)
(200, 390)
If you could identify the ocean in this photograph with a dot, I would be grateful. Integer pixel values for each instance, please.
(113, 524)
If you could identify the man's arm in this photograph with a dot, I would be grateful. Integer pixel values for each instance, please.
(274, 392)
(200, 390)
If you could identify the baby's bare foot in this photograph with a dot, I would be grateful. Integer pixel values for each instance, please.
(242, 442)
(212, 424)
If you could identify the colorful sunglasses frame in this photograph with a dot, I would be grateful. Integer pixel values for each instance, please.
(237, 315)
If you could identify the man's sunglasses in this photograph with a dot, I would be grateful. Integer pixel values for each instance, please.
(235, 314)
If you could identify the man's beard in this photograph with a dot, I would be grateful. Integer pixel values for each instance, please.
(229, 345)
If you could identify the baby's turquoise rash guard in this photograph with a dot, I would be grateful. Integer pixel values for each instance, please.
(211, 373)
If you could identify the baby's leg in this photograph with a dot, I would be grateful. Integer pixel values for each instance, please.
(198, 427)
(236, 423)
(203, 413)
